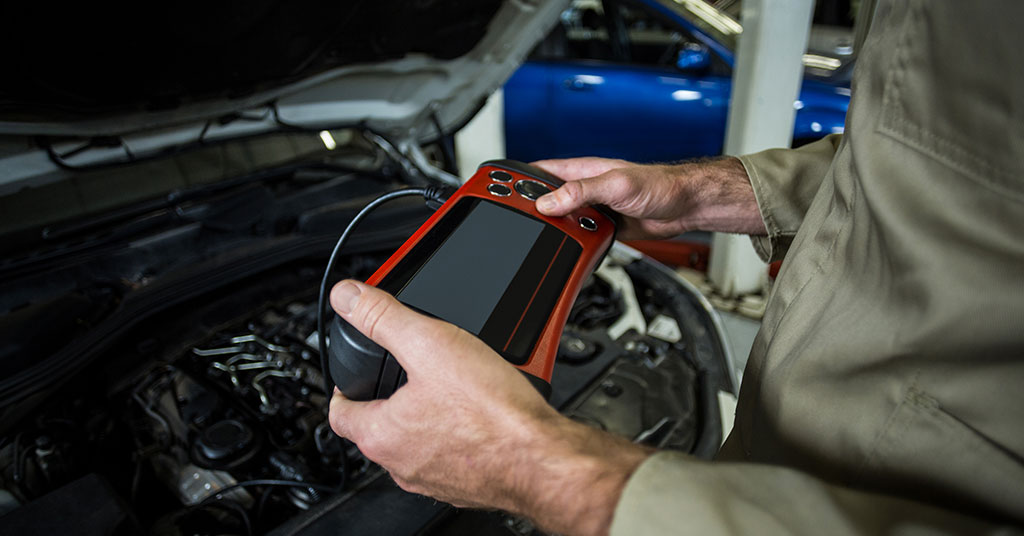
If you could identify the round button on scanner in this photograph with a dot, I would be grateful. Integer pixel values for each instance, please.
(499, 190)
(500, 176)
(588, 223)
(531, 189)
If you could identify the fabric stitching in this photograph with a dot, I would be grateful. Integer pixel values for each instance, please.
(869, 455)
(980, 179)
(763, 198)
(912, 134)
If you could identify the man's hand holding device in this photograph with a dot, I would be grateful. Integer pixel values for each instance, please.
(467, 427)
(489, 262)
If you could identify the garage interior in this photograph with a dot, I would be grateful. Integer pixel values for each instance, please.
(179, 195)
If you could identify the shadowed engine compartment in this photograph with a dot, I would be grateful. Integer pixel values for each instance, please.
(211, 418)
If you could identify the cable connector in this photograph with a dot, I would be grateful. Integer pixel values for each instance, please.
(435, 196)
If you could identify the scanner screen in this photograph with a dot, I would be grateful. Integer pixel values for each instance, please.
(490, 270)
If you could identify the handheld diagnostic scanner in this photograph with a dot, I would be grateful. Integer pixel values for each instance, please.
(489, 263)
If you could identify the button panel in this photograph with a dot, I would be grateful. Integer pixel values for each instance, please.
(504, 182)
(531, 189)
(500, 176)
(499, 190)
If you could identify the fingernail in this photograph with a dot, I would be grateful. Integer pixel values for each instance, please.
(547, 202)
(345, 297)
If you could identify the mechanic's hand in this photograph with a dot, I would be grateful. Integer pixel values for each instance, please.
(469, 429)
(657, 200)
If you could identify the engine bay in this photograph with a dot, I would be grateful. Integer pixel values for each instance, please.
(162, 375)
(227, 432)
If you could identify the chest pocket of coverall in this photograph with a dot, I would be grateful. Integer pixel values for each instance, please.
(961, 121)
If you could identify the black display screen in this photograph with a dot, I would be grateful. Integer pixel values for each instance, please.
(490, 270)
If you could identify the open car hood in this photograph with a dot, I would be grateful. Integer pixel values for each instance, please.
(144, 80)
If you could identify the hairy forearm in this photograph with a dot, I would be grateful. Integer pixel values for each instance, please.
(572, 476)
(720, 196)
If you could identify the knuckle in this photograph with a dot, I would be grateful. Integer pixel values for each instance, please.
(372, 315)
(448, 334)
(621, 182)
(621, 186)
(340, 425)
(448, 338)
(574, 191)
(372, 446)
(337, 425)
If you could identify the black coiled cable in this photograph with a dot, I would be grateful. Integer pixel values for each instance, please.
(435, 196)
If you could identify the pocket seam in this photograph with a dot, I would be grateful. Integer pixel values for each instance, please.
(896, 125)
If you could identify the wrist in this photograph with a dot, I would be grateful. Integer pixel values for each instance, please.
(573, 476)
(720, 196)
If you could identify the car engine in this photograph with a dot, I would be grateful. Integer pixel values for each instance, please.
(161, 371)
(211, 419)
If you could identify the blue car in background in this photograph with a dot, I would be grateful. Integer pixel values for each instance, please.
(649, 81)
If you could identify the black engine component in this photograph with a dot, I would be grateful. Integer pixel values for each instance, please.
(648, 396)
(576, 348)
(596, 306)
(88, 506)
(225, 445)
(225, 431)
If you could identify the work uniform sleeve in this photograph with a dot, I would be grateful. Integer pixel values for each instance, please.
(672, 493)
(785, 181)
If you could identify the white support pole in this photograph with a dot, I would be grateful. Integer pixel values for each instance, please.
(765, 83)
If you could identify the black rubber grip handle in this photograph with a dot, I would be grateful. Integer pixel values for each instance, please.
(364, 370)
(355, 362)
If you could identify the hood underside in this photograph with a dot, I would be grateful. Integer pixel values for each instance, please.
(97, 69)
(123, 80)
(91, 60)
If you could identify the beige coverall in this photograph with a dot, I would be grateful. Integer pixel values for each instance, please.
(885, 391)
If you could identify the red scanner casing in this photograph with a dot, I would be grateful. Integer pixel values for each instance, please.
(595, 240)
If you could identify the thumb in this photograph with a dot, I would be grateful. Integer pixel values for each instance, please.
(610, 188)
(385, 320)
